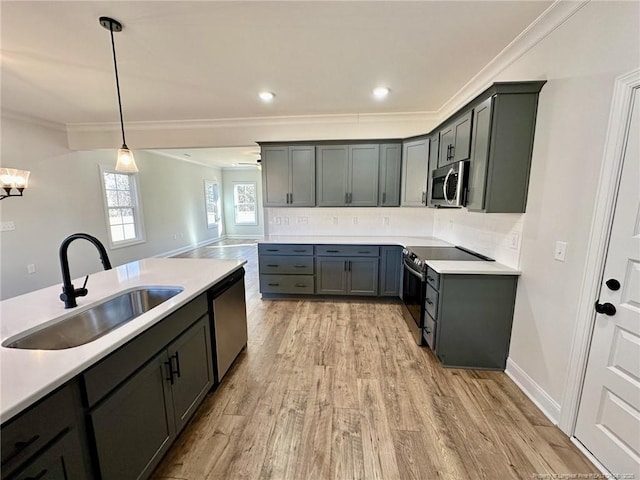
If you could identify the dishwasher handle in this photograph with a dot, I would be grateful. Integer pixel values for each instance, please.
(226, 283)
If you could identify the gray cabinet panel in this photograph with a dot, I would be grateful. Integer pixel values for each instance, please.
(455, 140)
(480, 155)
(390, 271)
(303, 176)
(191, 358)
(331, 276)
(415, 157)
(275, 174)
(390, 172)
(363, 175)
(362, 276)
(134, 426)
(332, 171)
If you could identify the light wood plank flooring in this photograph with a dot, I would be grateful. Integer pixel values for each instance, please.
(339, 390)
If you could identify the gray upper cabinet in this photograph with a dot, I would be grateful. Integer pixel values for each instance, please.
(347, 175)
(501, 151)
(415, 162)
(390, 171)
(288, 175)
(455, 140)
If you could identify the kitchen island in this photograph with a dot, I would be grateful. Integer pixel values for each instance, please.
(145, 377)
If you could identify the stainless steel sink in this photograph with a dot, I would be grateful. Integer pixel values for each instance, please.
(95, 322)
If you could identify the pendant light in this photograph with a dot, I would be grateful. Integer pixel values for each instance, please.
(125, 162)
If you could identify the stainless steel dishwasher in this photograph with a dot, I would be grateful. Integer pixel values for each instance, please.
(229, 332)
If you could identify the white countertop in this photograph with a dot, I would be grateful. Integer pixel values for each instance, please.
(28, 375)
(357, 240)
(440, 266)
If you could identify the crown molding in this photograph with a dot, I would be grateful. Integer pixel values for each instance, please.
(356, 118)
(41, 122)
(548, 21)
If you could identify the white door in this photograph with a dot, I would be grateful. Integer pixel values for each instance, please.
(609, 416)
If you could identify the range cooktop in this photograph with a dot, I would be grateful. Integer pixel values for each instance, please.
(445, 253)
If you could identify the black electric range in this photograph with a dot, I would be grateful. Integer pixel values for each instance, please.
(414, 285)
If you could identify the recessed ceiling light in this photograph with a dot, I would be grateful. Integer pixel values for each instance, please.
(266, 96)
(380, 92)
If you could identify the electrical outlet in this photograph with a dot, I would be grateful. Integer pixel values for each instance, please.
(354, 220)
(385, 220)
(278, 220)
(515, 240)
(31, 268)
(560, 252)
(302, 220)
(334, 220)
(7, 226)
(286, 220)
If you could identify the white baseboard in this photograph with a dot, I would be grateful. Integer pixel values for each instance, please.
(605, 473)
(180, 250)
(531, 389)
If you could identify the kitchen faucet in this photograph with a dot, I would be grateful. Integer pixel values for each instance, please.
(69, 292)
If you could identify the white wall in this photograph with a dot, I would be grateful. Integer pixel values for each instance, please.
(580, 61)
(229, 177)
(382, 221)
(65, 197)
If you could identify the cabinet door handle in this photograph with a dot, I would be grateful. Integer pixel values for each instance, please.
(177, 357)
(348, 265)
(429, 302)
(170, 369)
(431, 279)
(424, 197)
(273, 284)
(291, 198)
(38, 476)
(350, 198)
(384, 197)
(453, 151)
(274, 266)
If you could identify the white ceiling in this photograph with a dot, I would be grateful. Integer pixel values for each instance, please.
(182, 60)
(222, 157)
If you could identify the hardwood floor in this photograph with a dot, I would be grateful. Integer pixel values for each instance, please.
(339, 390)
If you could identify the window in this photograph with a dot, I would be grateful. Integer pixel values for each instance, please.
(244, 203)
(122, 207)
(212, 202)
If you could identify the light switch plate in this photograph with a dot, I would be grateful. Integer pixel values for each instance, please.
(7, 226)
(560, 252)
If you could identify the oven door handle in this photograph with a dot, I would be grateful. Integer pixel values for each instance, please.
(413, 272)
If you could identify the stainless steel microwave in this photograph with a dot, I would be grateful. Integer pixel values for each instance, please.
(448, 185)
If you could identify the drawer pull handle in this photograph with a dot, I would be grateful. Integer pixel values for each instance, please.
(300, 266)
(273, 284)
(274, 266)
(300, 251)
(273, 250)
(333, 251)
(431, 279)
(301, 285)
(429, 302)
(364, 251)
(38, 476)
(24, 444)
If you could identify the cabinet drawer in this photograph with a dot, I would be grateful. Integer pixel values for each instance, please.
(286, 264)
(429, 331)
(433, 278)
(284, 249)
(302, 284)
(348, 250)
(431, 301)
(30, 431)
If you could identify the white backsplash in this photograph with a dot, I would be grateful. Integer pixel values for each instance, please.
(386, 221)
(497, 235)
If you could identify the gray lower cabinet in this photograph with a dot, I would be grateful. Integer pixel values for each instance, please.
(48, 441)
(501, 152)
(468, 319)
(137, 422)
(455, 140)
(390, 271)
(288, 175)
(347, 275)
(390, 172)
(286, 269)
(347, 175)
(415, 161)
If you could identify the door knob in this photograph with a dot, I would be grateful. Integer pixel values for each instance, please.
(606, 308)
(613, 284)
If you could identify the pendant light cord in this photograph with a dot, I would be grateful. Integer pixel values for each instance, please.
(115, 66)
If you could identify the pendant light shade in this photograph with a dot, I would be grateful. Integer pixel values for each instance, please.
(125, 161)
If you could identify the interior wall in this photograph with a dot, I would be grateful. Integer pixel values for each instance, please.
(384, 221)
(229, 177)
(580, 61)
(65, 197)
